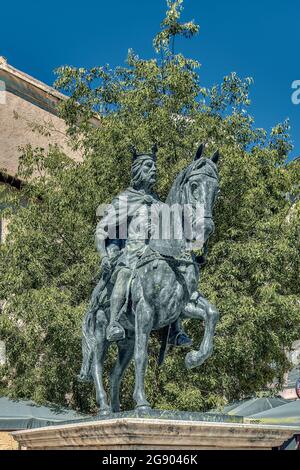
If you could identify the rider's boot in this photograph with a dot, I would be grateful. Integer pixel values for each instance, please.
(178, 336)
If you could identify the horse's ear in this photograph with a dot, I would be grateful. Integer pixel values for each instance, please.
(216, 157)
(199, 152)
(133, 152)
(154, 148)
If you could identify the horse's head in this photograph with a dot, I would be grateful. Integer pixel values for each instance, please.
(197, 187)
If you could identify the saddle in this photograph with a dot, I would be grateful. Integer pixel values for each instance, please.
(165, 252)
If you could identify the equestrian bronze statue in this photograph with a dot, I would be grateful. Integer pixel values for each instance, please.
(150, 274)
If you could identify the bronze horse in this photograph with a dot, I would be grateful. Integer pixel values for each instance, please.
(163, 290)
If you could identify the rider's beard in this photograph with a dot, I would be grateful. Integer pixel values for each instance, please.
(145, 183)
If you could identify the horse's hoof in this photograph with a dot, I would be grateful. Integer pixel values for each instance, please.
(193, 359)
(196, 359)
(143, 408)
(105, 412)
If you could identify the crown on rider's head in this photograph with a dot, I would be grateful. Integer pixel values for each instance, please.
(136, 155)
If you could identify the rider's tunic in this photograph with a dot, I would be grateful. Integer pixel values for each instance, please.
(127, 224)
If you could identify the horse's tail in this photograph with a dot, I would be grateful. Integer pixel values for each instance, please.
(164, 345)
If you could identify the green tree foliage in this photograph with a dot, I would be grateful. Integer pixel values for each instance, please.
(49, 264)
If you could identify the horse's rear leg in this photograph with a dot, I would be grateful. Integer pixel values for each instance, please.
(143, 326)
(125, 354)
(203, 310)
(101, 349)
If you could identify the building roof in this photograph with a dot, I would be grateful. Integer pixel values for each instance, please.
(251, 406)
(286, 415)
(24, 414)
(29, 88)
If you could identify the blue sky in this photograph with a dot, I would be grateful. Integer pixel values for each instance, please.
(258, 38)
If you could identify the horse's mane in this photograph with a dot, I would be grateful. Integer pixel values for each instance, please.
(175, 194)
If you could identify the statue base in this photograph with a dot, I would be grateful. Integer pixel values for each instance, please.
(156, 430)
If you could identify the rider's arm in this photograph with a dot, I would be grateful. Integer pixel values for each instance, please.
(101, 247)
(106, 227)
(100, 238)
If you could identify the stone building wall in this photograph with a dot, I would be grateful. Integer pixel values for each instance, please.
(25, 103)
(7, 442)
(17, 120)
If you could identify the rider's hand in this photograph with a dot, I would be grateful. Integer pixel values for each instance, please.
(105, 264)
(194, 297)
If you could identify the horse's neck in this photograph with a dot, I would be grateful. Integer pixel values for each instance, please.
(176, 195)
(176, 200)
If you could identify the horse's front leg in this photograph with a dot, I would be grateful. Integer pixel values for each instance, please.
(201, 309)
(101, 349)
(143, 326)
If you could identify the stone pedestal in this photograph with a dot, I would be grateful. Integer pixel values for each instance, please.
(141, 433)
